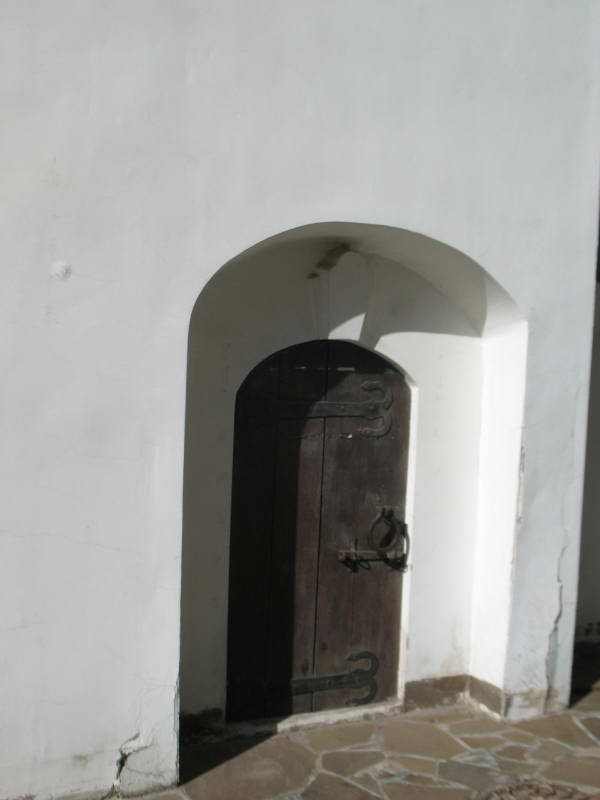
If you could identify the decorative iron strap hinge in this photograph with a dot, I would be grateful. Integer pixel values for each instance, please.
(367, 409)
(357, 679)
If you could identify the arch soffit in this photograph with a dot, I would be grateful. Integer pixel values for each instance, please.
(448, 272)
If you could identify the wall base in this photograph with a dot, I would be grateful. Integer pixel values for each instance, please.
(450, 690)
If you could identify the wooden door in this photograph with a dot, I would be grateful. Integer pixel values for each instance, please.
(318, 542)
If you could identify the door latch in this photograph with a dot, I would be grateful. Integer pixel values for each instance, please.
(391, 548)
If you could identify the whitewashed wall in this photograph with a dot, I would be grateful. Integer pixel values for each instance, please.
(144, 145)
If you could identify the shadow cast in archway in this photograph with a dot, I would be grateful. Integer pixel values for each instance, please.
(202, 750)
(586, 657)
(585, 676)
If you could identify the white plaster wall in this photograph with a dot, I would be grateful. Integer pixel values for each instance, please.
(503, 387)
(546, 558)
(145, 144)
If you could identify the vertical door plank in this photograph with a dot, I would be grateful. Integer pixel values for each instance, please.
(358, 611)
(377, 592)
(344, 485)
(296, 528)
(250, 555)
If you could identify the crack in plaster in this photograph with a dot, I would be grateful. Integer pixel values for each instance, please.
(552, 651)
(127, 749)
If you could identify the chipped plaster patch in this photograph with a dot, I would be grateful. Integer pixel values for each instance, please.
(61, 270)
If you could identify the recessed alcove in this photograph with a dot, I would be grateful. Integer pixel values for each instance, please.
(461, 342)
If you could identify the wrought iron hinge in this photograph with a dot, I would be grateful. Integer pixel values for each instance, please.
(357, 679)
(367, 409)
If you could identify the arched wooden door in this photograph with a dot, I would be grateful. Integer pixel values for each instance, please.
(318, 542)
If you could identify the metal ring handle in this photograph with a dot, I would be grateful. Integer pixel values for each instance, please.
(407, 549)
(387, 515)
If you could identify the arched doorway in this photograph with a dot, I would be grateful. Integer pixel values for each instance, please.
(318, 539)
(461, 344)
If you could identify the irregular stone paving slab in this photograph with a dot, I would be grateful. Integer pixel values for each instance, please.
(274, 767)
(548, 750)
(329, 787)
(405, 791)
(293, 796)
(420, 739)
(517, 768)
(422, 780)
(593, 752)
(415, 764)
(593, 725)
(167, 796)
(581, 771)
(513, 751)
(392, 769)
(591, 702)
(483, 725)
(557, 726)
(336, 737)
(369, 783)
(483, 742)
(471, 775)
(481, 757)
(349, 762)
(521, 737)
(444, 716)
(392, 774)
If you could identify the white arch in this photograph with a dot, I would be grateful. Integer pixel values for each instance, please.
(461, 340)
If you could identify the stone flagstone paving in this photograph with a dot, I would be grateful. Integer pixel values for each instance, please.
(443, 754)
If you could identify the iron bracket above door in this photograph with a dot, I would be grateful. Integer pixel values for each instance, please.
(367, 409)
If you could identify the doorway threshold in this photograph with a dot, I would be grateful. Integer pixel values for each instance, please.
(313, 719)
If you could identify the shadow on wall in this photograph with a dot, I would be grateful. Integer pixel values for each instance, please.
(359, 283)
(586, 663)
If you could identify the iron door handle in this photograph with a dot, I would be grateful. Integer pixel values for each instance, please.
(386, 549)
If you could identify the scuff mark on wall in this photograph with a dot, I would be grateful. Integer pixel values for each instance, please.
(521, 486)
(333, 255)
(60, 270)
(21, 797)
(524, 705)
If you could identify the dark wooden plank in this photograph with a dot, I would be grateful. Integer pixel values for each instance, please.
(377, 593)
(296, 529)
(341, 499)
(250, 554)
(294, 566)
(358, 611)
